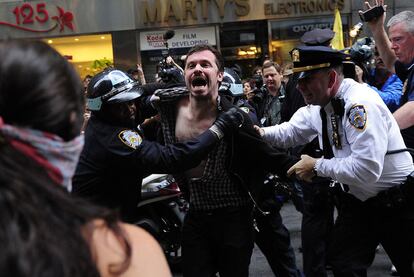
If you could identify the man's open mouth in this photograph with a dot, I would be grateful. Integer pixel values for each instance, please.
(198, 81)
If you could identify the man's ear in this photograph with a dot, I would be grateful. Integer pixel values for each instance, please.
(333, 76)
(220, 76)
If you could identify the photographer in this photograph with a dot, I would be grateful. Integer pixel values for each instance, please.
(397, 52)
(379, 78)
(170, 72)
(268, 99)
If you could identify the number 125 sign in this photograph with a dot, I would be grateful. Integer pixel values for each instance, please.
(27, 14)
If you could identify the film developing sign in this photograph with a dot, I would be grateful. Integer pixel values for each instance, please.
(183, 38)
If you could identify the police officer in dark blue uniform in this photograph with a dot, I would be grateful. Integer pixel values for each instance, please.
(232, 88)
(116, 157)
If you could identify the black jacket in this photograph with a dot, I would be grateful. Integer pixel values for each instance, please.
(115, 159)
(251, 158)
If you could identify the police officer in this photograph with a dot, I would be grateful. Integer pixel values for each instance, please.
(318, 204)
(116, 157)
(232, 88)
(357, 132)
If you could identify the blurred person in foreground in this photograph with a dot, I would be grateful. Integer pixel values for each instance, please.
(44, 230)
(375, 187)
(397, 52)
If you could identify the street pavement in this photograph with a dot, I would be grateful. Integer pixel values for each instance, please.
(292, 219)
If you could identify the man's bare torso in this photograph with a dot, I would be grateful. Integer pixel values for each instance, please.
(190, 124)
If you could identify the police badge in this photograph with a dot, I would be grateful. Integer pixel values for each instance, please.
(245, 109)
(357, 116)
(130, 138)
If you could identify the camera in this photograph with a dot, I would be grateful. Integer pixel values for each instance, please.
(372, 13)
(170, 74)
(258, 80)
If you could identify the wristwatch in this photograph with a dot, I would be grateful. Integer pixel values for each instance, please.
(314, 170)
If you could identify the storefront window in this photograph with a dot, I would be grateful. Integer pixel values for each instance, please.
(286, 34)
(89, 54)
(244, 44)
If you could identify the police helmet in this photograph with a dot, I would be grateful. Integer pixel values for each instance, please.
(111, 86)
(231, 83)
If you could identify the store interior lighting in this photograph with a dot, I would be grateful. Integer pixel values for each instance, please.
(82, 51)
(252, 50)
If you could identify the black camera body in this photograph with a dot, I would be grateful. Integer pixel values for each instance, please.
(170, 74)
(258, 80)
(372, 13)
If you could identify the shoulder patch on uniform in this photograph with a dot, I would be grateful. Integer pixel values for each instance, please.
(357, 116)
(130, 138)
(245, 109)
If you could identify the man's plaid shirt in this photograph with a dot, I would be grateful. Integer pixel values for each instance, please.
(215, 189)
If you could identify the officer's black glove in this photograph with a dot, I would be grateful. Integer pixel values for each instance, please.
(227, 122)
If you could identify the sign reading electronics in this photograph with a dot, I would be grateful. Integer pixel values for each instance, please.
(302, 7)
(39, 18)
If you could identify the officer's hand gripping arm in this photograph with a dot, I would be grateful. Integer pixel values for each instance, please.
(227, 122)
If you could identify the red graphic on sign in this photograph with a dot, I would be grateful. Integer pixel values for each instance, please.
(64, 19)
(26, 14)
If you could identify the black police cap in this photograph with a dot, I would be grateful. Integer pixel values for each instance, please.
(306, 59)
(318, 36)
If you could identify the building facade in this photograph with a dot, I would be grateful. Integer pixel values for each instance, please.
(93, 33)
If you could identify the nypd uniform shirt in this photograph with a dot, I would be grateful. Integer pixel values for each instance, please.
(363, 135)
(115, 159)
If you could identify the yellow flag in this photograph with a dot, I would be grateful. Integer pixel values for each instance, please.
(338, 39)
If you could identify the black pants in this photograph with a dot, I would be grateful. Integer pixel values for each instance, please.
(317, 224)
(273, 239)
(358, 230)
(219, 241)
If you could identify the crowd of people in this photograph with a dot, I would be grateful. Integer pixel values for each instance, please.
(331, 127)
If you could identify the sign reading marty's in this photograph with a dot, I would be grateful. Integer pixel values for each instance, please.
(159, 11)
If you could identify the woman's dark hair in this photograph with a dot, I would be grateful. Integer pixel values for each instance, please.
(44, 231)
(39, 88)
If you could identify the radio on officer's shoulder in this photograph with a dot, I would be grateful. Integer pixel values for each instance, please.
(372, 13)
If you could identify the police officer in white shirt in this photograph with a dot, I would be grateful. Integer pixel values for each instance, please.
(359, 136)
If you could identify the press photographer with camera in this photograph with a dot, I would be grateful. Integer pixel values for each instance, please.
(397, 52)
(371, 71)
(268, 98)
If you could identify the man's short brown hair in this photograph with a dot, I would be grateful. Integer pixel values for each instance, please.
(270, 64)
(208, 47)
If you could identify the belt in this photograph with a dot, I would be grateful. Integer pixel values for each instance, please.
(392, 199)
